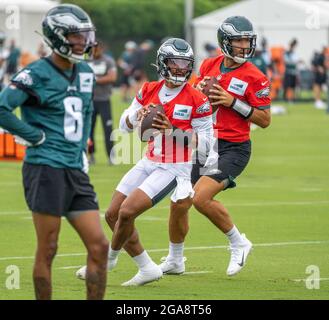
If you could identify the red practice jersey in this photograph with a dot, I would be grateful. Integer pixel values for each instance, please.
(246, 83)
(188, 105)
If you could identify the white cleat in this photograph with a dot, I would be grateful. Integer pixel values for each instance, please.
(171, 266)
(82, 272)
(239, 256)
(319, 104)
(149, 274)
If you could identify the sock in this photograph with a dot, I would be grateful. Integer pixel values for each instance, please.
(176, 250)
(142, 259)
(234, 236)
(113, 254)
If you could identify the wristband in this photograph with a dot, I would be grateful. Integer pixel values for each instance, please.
(242, 108)
(132, 117)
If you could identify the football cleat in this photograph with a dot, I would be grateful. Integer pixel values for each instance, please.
(82, 272)
(152, 272)
(171, 266)
(239, 254)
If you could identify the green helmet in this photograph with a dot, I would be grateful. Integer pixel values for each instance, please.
(68, 19)
(236, 27)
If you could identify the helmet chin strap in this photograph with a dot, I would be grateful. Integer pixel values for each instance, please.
(239, 59)
(236, 59)
(176, 80)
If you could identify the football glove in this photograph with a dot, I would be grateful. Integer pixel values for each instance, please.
(26, 143)
(211, 159)
(85, 163)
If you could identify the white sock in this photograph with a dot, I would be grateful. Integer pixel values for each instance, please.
(113, 254)
(142, 259)
(234, 236)
(176, 250)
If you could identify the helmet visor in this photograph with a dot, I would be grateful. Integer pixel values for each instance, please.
(86, 38)
(180, 64)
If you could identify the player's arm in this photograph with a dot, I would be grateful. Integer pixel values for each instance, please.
(10, 98)
(87, 125)
(259, 115)
(130, 118)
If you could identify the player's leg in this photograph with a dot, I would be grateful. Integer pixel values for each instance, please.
(89, 228)
(232, 161)
(131, 180)
(133, 246)
(134, 205)
(158, 184)
(47, 229)
(45, 191)
(83, 214)
(92, 145)
(178, 229)
(106, 115)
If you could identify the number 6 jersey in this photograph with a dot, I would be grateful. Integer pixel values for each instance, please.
(59, 103)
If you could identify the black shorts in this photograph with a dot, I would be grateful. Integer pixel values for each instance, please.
(290, 81)
(233, 158)
(59, 192)
(320, 78)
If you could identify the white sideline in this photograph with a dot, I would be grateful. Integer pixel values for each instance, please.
(274, 244)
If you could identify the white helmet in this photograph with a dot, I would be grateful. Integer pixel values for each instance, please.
(175, 60)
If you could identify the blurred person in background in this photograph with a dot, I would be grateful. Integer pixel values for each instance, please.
(42, 50)
(320, 77)
(138, 64)
(124, 62)
(212, 50)
(258, 61)
(105, 71)
(13, 59)
(3, 58)
(290, 74)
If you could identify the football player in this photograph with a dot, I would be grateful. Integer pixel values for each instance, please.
(167, 165)
(55, 95)
(241, 97)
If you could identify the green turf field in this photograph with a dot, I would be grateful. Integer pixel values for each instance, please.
(281, 203)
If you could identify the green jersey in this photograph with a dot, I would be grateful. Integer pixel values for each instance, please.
(60, 104)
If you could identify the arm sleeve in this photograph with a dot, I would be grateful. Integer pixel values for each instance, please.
(11, 98)
(203, 127)
(134, 107)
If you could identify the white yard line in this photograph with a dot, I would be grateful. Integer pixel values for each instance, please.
(304, 280)
(198, 272)
(246, 204)
(274, 244)
(271, 204)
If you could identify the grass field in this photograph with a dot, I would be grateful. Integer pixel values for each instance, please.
(281, 203)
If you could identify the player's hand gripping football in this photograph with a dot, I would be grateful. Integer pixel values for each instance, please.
(141, 113)
(202, 83)
(221, 97)
(162, 123)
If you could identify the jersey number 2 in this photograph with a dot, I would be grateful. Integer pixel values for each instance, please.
(73, 120)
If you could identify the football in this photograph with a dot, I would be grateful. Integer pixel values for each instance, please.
(147, 122)
(208, 86)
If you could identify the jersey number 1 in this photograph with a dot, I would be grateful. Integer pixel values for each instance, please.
(73, 121)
